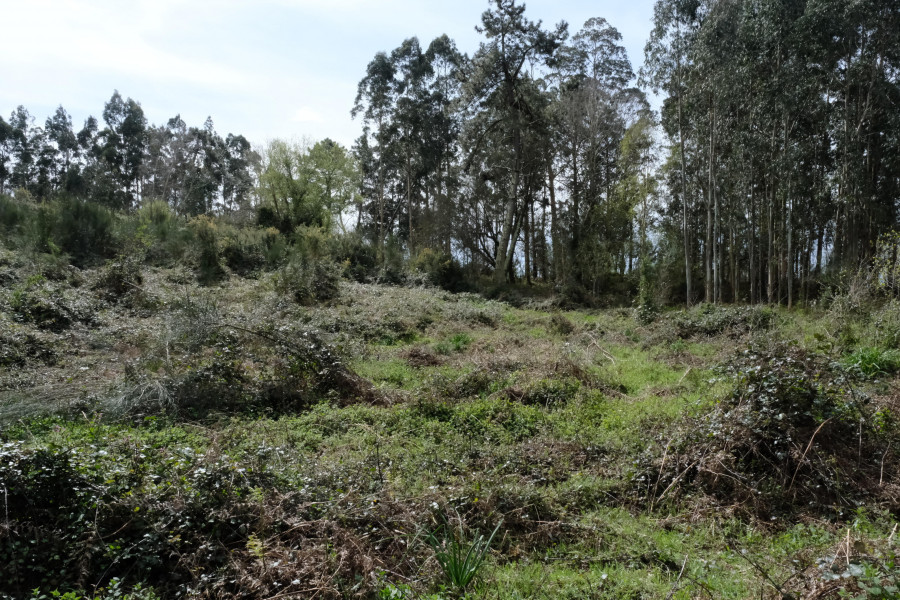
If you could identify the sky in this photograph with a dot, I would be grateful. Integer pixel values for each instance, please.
(262, 68)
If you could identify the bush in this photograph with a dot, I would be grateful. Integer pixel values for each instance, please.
(84, 230)
(248, 250)
(441, 269)
(13, 214)
(309, 281)
(208, 252)
(356, 256)
(561, 325)
(164, 234)
(120, 278)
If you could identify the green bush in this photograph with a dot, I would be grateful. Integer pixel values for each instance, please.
(165, 236)
(208, 251)
(13, 214)
(441, 269)
(355, 255)
(84, 230)
(120, 278)
(309, 281)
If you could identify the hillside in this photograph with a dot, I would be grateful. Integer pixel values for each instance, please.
(168, 435)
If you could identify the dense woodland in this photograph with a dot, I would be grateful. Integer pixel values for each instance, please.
(775, 158)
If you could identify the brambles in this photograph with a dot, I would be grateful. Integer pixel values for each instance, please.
(560, 325)
(38, 303)
(120, 279)
(712, 319)
(793, 434)
(18, 347)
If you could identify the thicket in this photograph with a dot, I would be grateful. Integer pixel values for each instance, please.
(307, 262)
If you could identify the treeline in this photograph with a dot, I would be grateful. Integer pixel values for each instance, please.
(127, 162)
(530, 159)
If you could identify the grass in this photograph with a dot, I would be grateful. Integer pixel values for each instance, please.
(461, 410)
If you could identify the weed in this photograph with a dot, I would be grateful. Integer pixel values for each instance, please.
(872, 362)
(458, 342)
(460, 558)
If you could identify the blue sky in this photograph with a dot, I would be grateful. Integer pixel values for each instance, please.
(263, 68)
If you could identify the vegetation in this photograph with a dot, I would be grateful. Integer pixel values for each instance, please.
(272, 431)
(307, 371)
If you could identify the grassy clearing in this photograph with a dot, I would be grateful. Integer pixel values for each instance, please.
(226, 441)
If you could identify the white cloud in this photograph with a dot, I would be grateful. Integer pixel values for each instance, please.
(307, 114)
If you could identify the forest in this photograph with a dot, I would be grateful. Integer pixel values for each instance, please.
(553, 326)
(775, 158)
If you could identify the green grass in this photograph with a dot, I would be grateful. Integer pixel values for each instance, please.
(508, 417)
(638, 371)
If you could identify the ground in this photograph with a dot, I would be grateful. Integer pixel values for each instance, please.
(226, 441)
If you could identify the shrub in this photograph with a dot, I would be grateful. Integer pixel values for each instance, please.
(209, 263)
(13, 213)
(120, 278)
(561, 325)
(308, 281)
(167, 239)
(441, 269)
(84, 230)
(355, 255)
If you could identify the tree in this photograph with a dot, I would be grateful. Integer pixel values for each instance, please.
(499, 83)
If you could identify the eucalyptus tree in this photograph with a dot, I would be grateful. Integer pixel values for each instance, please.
(65, 149)
(665, 68)
(6, 133)
(21, 148)
(374, 101)
(595, 107)
(237, 177)
(115, 174)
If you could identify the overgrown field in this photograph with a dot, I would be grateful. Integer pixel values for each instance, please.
(163, 438)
